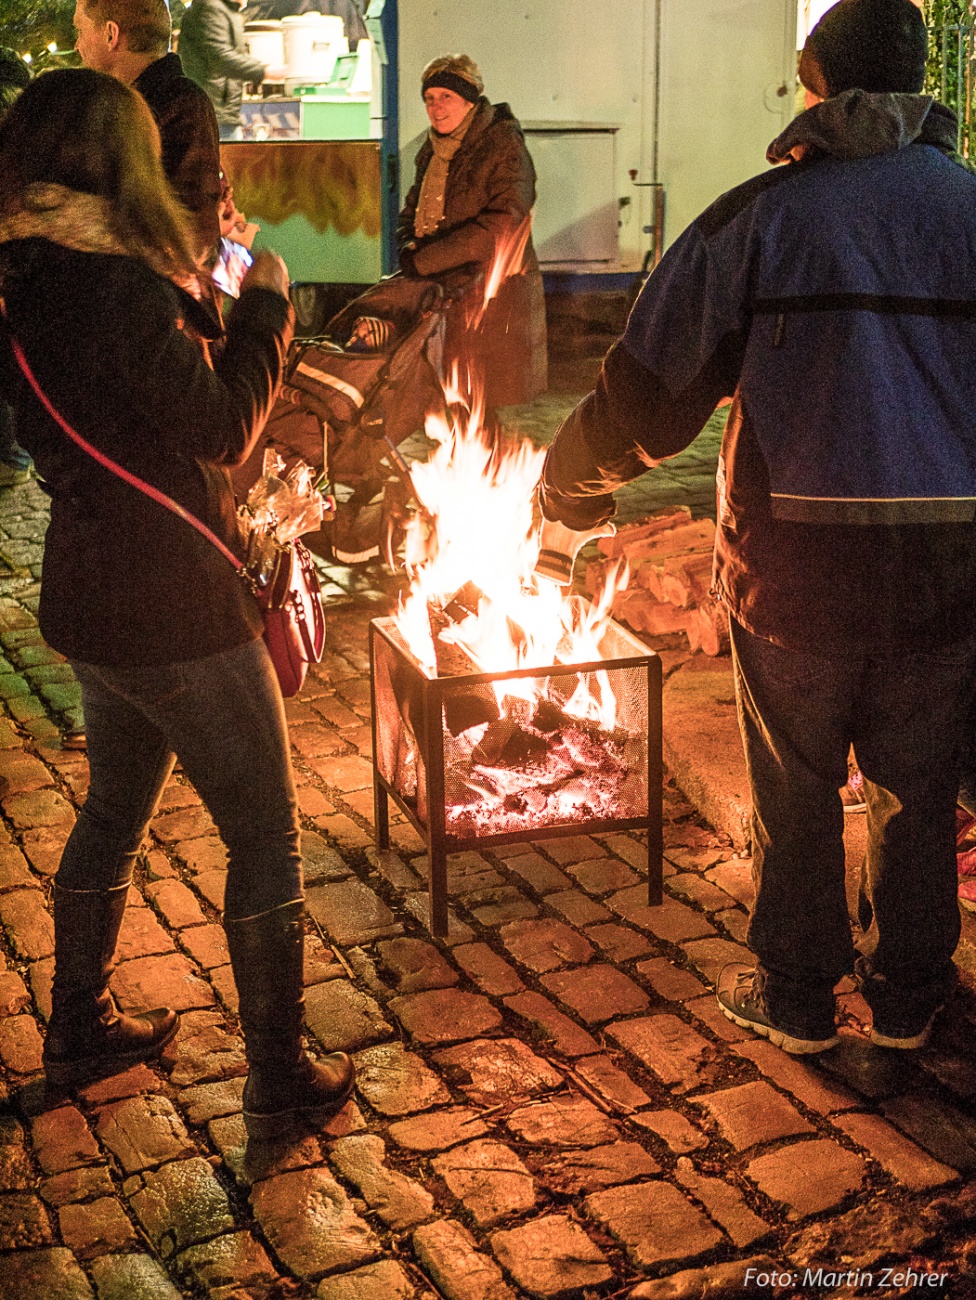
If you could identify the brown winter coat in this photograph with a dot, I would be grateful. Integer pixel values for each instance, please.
(490, 192)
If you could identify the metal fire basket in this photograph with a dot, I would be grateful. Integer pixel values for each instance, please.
(422, 753)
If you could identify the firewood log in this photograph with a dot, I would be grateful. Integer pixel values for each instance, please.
(713, 620)
(696, 536)
(649, 577)
(468, 706)
(640, 611)
(665, 519)
(692, 628)
(685, 579)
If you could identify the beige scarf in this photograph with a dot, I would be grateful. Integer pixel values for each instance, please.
(78, 221)
(433, 187)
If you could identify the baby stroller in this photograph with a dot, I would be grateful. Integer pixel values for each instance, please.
(349, 398)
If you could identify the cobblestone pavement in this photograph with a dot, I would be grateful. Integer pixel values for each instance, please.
(549, 1102)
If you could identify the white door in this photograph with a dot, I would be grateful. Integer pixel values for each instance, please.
(727, 87)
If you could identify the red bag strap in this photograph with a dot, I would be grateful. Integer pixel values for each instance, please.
(106, 461)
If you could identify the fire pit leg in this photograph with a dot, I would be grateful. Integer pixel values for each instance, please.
(436, 813)
(381, 813)
(438, 891)
(655, 784)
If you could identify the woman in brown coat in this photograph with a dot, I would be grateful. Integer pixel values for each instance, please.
(470, 201)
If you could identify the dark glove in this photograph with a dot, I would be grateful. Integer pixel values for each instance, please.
(558, 548)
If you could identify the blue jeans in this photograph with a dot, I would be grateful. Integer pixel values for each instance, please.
(799, 714)
(223, 717)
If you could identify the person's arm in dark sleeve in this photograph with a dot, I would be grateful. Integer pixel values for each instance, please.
(218, 414)
(680, 356)
(223, 60)
(405, 235)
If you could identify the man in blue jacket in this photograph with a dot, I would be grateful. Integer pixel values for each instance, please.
(834, 298)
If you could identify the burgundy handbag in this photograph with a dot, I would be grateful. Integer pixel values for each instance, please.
(287, 588)
(294, 620)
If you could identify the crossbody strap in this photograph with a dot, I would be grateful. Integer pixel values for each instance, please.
(154, 493)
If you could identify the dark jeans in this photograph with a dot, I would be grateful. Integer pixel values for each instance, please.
(224, 718)
(799, 714)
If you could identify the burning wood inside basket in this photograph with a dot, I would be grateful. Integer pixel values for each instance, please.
(541, 750)
(539, 765)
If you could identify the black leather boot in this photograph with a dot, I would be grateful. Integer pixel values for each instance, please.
(88, 1037)
(267, 958)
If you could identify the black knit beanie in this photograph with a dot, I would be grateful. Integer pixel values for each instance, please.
(874, 45)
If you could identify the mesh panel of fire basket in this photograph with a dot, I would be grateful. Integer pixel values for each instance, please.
(563, 746)
(400, 707)
(543, 761)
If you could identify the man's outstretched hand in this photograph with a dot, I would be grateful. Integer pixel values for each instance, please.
(559, 546)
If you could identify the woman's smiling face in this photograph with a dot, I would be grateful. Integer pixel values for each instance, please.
(445, 108)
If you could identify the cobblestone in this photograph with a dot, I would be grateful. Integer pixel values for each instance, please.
(460, 1270)
(674, 1129)
(551, 1256)
(673, 1050)
(808, 1177)
(179, 1205)
(399, 1201)
(77, 1185)
(438, 1130)
(573, 1173)
(545, 945)
(397, 1082)
(751, 1114)
(96, 1228)
(62, 1140)
(654, 1221)
(596, 993)
(123, 1277)
(907, 1163)
(489, 1179)
(342, 1018)
(566, 1036)
(726, 1205)
(562, 1122)
(20, 1044)
(445, 1015)
(311, 1224)
(143, 1132)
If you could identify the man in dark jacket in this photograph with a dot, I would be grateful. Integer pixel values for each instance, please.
(834, 298)
(215, 55)
(129, 39)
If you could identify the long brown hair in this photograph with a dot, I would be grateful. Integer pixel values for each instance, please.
(88, 132)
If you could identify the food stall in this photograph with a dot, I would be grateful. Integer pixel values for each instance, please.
(309, 169)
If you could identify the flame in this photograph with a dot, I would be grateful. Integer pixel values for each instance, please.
(476, 531)
(509, 252)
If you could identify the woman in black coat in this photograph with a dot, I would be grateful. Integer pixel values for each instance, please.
(162, 634)
(472, 198)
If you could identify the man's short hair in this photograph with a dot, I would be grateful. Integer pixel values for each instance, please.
(143, 24)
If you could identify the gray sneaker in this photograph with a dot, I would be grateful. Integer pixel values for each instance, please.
(739, 995)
